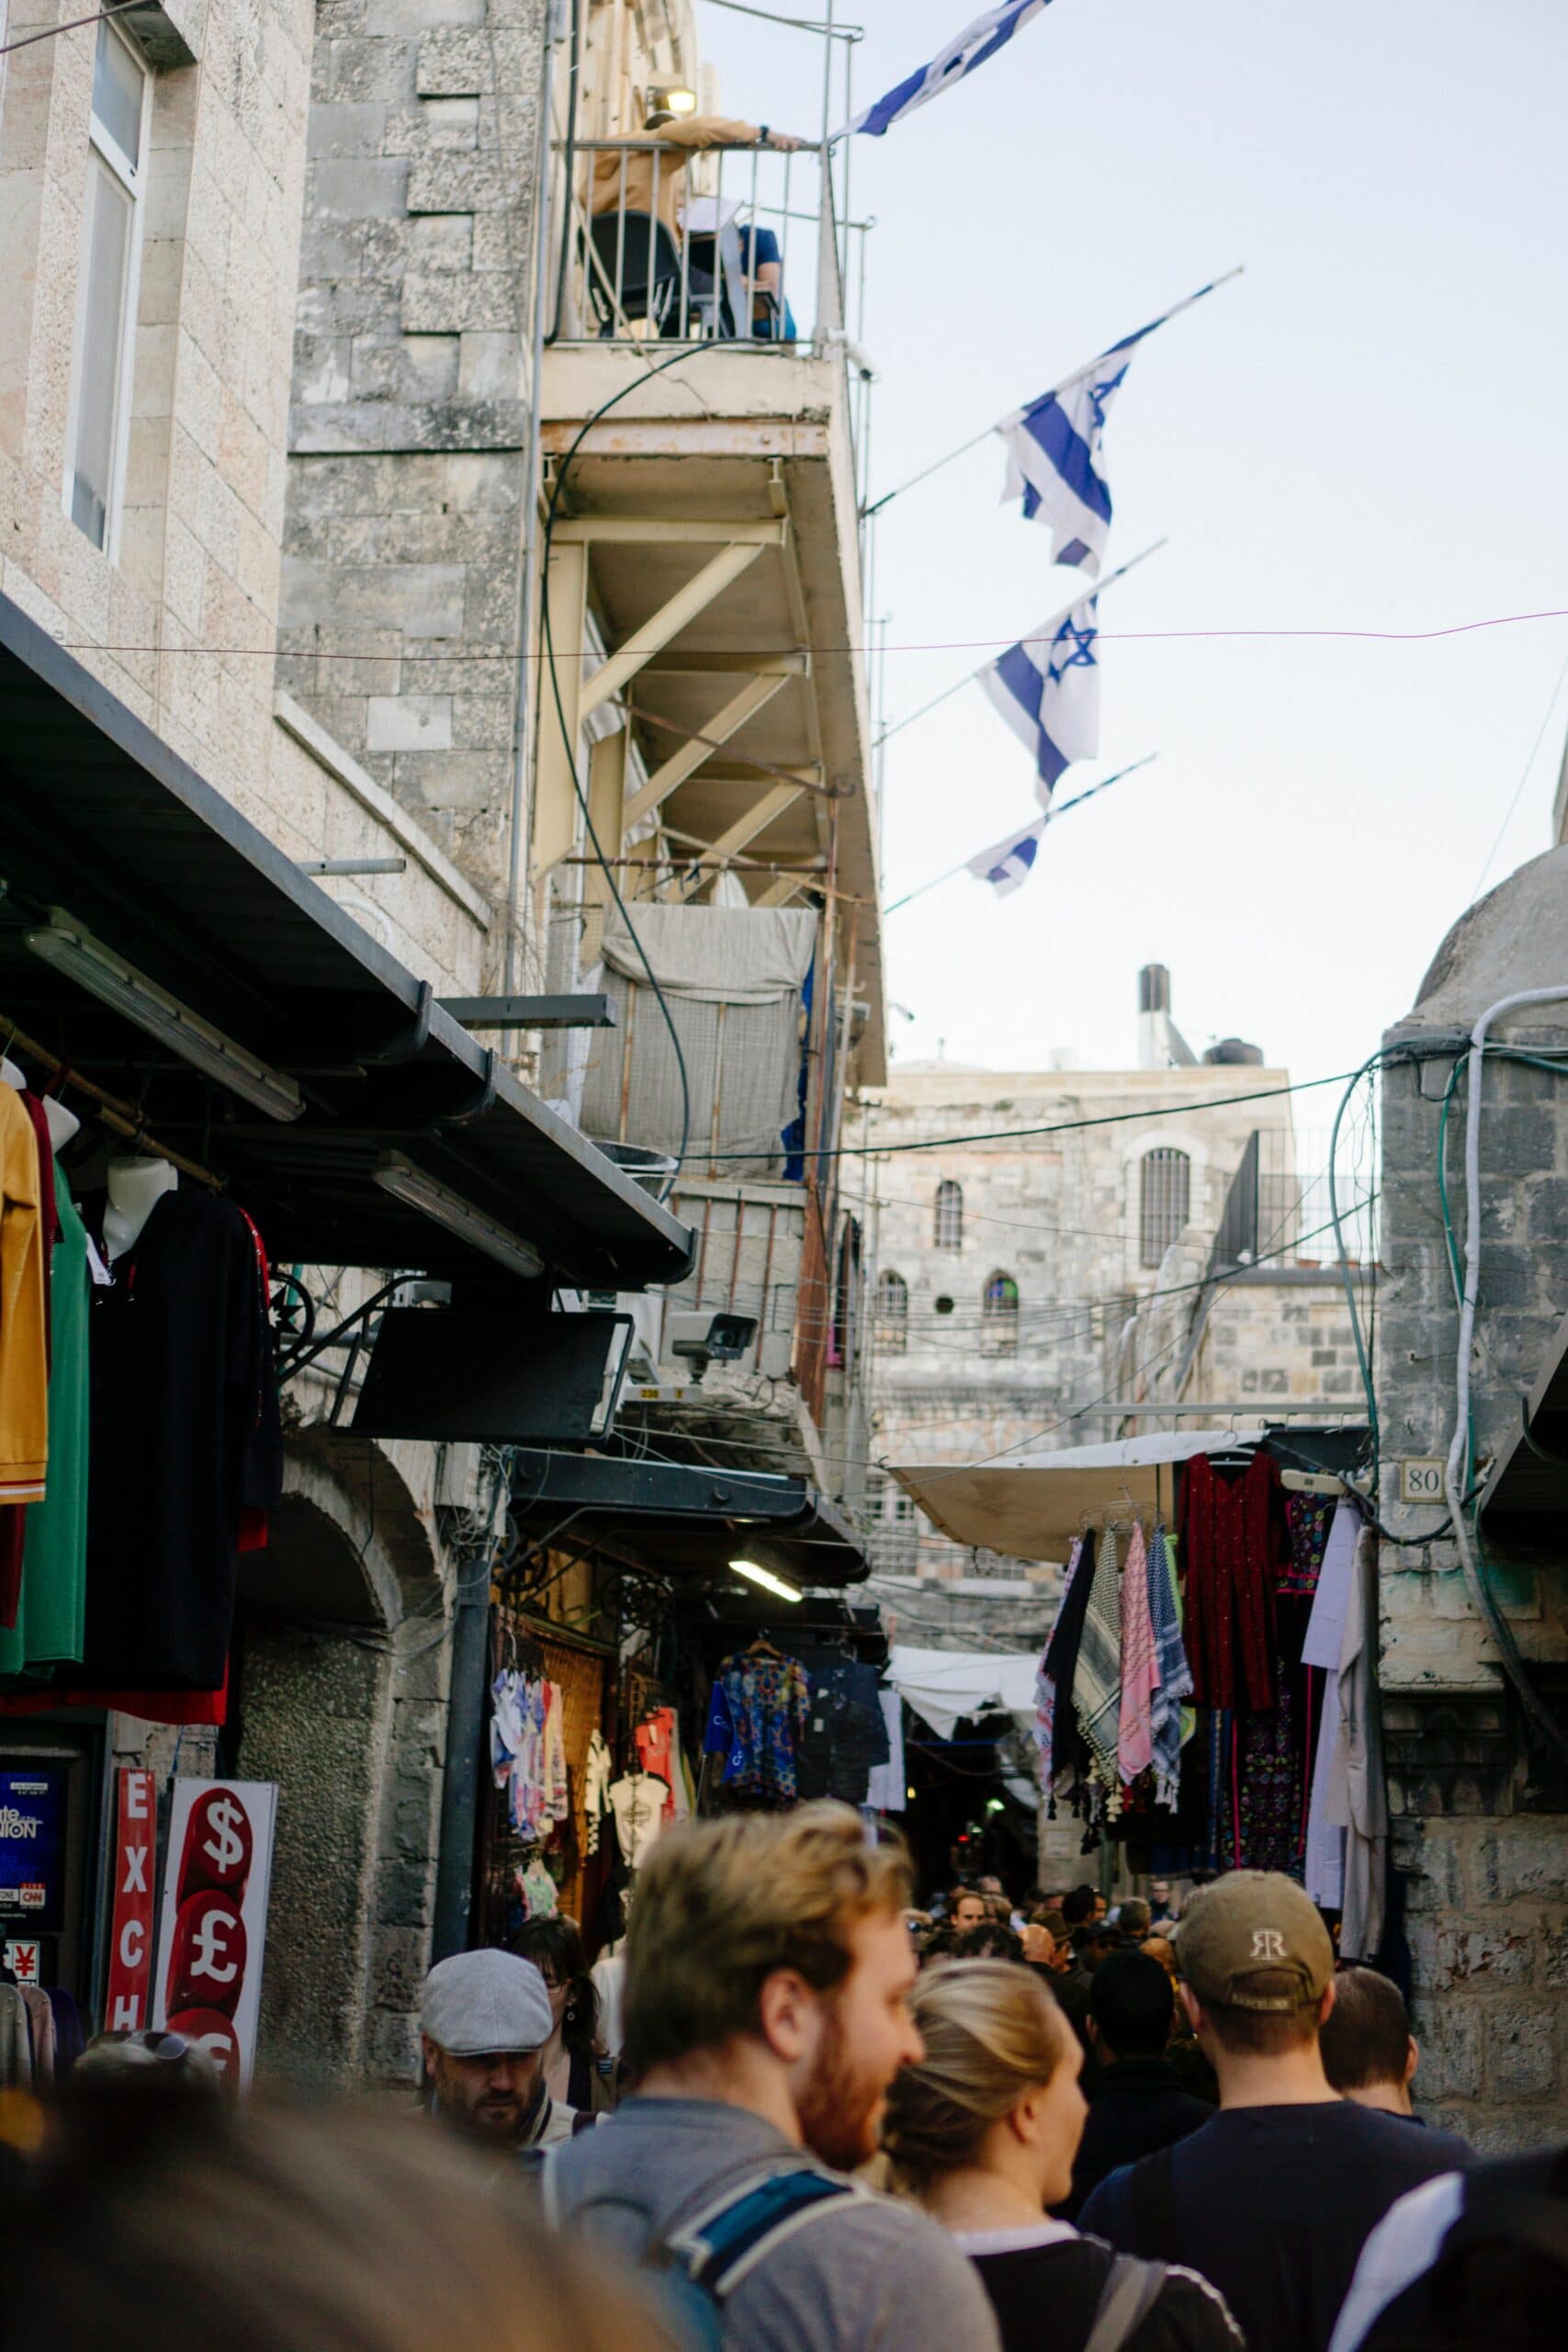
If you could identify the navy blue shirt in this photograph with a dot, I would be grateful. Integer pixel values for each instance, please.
(1273, 2205)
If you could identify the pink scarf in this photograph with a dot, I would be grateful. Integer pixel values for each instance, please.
(1134, 1743)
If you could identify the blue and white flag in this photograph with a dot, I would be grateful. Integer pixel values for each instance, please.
(1054, 448)
(1054, 461)
(1005, 866)
(1047, 688)
(972, 47)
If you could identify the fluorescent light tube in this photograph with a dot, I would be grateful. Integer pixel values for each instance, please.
(766, 1578)
(417, 1191)
(70, 949)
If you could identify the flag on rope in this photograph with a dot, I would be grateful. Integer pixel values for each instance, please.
(1054, 463)
(1047, 688)
(972, 47)
(1007, 865)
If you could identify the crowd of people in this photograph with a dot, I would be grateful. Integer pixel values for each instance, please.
(835, 2125)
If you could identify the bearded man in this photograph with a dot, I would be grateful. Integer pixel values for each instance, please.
(766, 2012)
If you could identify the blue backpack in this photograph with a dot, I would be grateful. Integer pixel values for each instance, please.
(699, 2259)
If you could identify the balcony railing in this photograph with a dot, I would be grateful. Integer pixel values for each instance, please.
(719, 245)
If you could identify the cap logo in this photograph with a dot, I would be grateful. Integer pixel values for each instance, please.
(1268, 1943)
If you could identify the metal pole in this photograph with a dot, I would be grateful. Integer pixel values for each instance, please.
(460, 1776)
(1038, 826)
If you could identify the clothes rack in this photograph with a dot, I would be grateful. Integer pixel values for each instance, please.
(121, 1118)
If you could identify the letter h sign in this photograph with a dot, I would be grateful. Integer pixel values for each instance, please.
(130, 1925)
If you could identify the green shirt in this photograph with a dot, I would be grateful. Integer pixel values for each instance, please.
(48, 1630)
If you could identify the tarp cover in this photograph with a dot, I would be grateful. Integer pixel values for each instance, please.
(943, 1686)
(1031, 1506)
(719, 955)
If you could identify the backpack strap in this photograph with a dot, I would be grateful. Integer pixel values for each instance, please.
(719, 2247)
(1151, 2205)
(1126, 2299)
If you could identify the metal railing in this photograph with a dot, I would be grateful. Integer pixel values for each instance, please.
(713, 245)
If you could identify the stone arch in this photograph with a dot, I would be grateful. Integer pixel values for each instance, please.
(341, 1701)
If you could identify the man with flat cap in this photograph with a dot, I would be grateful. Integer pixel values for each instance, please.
(1273, 2200)
(484, 2024)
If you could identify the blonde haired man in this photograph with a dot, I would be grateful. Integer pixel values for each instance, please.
(768, 1975)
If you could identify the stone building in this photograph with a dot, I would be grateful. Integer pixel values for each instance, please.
(1477, 1749)
(168, 801)
(1042, 1292)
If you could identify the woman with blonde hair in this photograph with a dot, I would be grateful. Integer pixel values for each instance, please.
(983, 2132)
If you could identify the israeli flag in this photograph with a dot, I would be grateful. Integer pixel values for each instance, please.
(1007, 865)
(1054, 466)
(1047, 688)
(977, 43)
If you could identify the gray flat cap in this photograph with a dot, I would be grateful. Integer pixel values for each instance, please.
(480, 2001)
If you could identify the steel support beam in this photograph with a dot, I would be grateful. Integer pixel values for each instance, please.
(670, 618)
(724, 722)
(736, 837)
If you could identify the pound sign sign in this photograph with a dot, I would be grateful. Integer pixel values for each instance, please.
(219, 1844)
(207, 1964)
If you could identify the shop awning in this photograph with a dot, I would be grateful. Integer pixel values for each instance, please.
(944, 1686)
(362, 1075)
(1031, 1505)
(681, 1521)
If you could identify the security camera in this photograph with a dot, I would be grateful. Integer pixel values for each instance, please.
(701, 1338)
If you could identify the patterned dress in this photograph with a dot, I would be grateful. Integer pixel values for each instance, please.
(767, 1702)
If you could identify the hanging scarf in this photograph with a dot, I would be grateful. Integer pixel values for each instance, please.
(1097, 1691)
(1067, 1753)
(1173, 1676)
(1045, 1680)
(1135, 1739)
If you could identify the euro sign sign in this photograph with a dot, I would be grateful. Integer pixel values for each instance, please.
(206, 1967)
(219, 1845)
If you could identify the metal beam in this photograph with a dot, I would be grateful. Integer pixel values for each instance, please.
(724, 723)
(631, 531)
(724, 665)
(784, 888)
(669, 621)
(595, 1012)
(735, 837)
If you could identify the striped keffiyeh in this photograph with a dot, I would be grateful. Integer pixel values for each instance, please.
(1173, 1677)
(1135, 1745)
(1097, 1688)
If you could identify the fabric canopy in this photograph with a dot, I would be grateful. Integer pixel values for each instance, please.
(1031, 1506)
(717, 954)
(943, 1686)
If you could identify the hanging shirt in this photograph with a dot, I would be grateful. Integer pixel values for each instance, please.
(24, 1351)
(638, 1802)
(49, 1626)
(596, 1775)
(181, 1364)
(887, 1792)
(769, 1699)
(1358, 1792)
(1234, 1546)
(557, 1794)
(1325, 1641)
(655, 1739)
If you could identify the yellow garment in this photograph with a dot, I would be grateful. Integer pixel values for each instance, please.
(638, 163)
(24, 1354)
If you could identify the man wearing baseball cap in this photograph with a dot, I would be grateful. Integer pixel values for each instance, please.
(1274, 2198)
(484, 2023)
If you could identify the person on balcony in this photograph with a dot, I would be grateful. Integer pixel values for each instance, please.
(641, 180)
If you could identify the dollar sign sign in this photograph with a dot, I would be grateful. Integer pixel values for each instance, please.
(224, 1849)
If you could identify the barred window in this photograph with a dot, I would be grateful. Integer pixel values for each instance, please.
(892, 1313)
(999, 1317)
(947, 1228)
(1164, 1191)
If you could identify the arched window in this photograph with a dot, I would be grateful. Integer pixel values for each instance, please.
(892, 1312)
(947, 1225)
(1165, 1194)
(999, 1317)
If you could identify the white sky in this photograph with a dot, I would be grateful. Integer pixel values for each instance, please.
(1364, 431)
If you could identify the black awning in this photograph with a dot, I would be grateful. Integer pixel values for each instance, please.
(685, 1521)
(100, 819)
(1529, 1478)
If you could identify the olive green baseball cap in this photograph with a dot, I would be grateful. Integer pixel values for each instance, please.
(1254, 1939)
